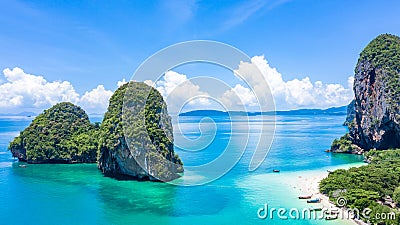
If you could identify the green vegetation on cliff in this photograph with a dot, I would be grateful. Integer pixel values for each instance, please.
(370, 186)
(383, 53)
(136, 135)
(342, 145)
(373, 123)
(374, 115)
(61, 134)
(135, 139)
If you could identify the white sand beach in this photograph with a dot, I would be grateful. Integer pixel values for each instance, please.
(288, 186)
(307, 183)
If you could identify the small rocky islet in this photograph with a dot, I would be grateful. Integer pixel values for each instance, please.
(64, 134)
(61, 134)
(141, 138)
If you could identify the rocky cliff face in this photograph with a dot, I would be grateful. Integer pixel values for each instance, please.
(351, 114)
(136, 140)
(61, 134)
(377, 95)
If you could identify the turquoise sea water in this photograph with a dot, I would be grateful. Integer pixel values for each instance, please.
(79, 194)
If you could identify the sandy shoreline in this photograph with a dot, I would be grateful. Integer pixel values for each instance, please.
(307, 183)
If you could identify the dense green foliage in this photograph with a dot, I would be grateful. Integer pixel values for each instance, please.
(364, 186)
(113, 127)
(396, 195)
(343, 144)
(378, 156)
(61, 134)
(374, 186)
(384, 54)
(138, 115)
(156, 120)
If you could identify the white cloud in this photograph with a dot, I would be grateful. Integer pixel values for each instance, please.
(149, 82)
(296, 93)
(178, 90)
(171, 80)
(350, 81)
(265, 82)
(20, 91)
(122, 82)
(96, 100)
(239, 98)
(23, 91)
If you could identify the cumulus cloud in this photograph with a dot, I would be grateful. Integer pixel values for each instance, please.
(296, 93)
(25, 91)
(268, 90)
(180, 92)
(239, 98)
(22, 89)
(96, 100)
(122, 82)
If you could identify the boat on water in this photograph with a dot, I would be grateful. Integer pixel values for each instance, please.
(276, 171)
(315, 208)
(331, 217)
(316, 200)
(332, 212)
(305, 197)
(22, 166)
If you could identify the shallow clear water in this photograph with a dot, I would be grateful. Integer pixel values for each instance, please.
(79, 194)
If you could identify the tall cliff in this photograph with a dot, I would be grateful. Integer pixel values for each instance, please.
(136, 140)
(376, 123)
(61, 134)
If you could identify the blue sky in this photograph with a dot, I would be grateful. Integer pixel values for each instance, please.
(91, 43)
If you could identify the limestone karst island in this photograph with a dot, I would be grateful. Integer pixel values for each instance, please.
(373, 122)
(64, 134)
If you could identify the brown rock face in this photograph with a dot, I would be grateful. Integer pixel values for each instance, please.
(377, 87)
(136, 138)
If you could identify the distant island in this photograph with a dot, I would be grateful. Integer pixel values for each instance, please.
(374, 130)
(330, 111)
(28, 114)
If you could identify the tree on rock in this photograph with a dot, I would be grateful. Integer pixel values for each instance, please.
(61, 134)
(136, 140)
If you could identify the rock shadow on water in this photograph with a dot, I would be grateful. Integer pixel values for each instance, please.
(132, 197)
(159, 200)
(63, 174)
(199, 201)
